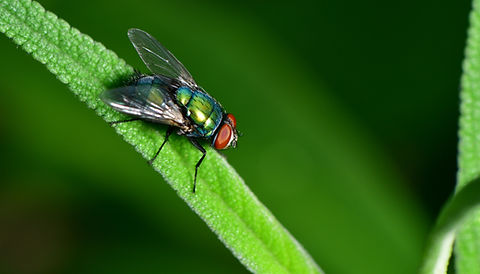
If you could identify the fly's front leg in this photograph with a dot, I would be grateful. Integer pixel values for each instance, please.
(169, 131)
(199, 147)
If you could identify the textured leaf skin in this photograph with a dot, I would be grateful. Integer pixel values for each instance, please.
(222, 200)
(462, 205)
(467, 247)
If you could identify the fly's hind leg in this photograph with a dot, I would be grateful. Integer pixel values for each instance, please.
(169, 131)
(199, 147)
(123, 121)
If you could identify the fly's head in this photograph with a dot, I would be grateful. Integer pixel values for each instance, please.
(227, 134)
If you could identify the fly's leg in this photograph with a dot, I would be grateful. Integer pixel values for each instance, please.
(123, 121)
(199, 147)
(169, 131)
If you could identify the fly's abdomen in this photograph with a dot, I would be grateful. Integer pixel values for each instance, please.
(151, 86)
(205, 112)
(148, 98)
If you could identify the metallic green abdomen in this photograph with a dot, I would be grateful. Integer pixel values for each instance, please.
(205, 112)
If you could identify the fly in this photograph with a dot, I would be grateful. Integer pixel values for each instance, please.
(171, 97)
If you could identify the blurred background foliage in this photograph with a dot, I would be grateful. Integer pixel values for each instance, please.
(349, 113)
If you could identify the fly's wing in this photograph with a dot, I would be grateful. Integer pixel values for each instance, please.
(157, 58)
(145, 102)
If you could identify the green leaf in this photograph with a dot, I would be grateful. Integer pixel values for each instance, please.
(459, 217)
(439, 247)
(467, 247)
(222, 200)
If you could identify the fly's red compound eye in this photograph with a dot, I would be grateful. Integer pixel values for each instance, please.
(232, 119)
(223, 137)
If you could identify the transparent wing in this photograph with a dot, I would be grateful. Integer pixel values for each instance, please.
(157, 58)
(145, 102)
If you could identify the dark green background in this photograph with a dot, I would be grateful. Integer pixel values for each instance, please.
(348, 109)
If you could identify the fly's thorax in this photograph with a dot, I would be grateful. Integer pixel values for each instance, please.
(202, 109)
